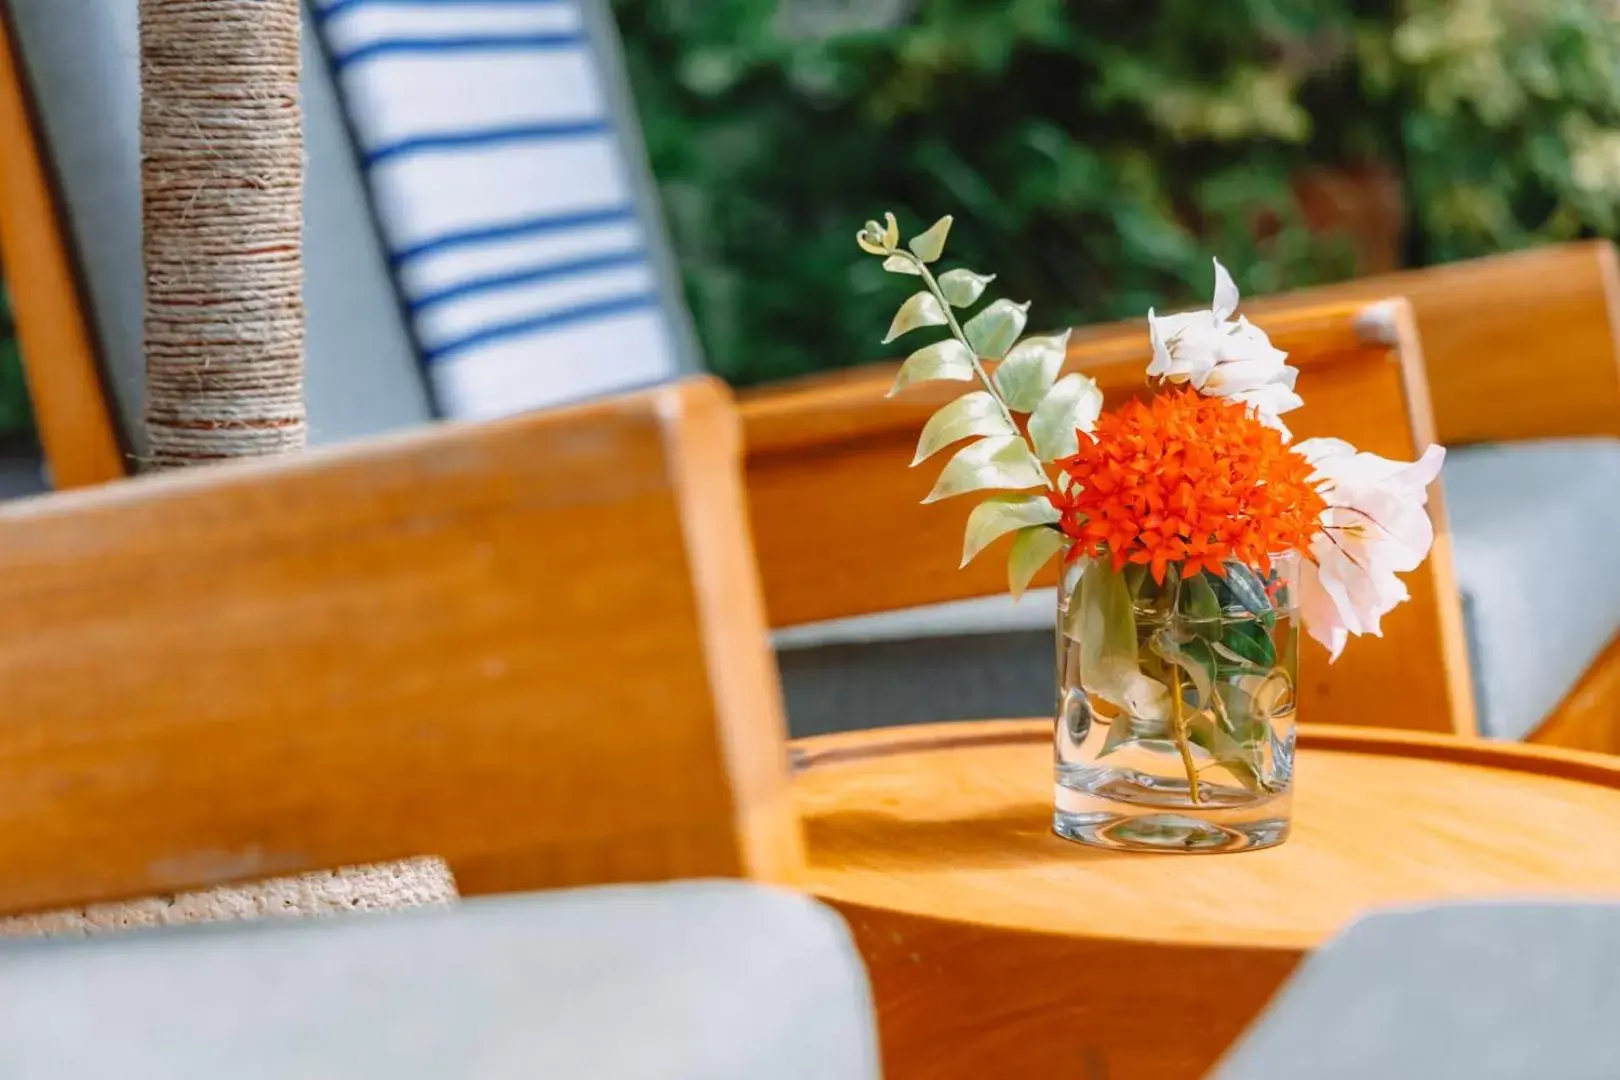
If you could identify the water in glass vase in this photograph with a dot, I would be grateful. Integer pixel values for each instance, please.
(1175, 719)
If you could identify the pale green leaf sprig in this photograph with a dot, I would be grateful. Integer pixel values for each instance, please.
(1016, 377)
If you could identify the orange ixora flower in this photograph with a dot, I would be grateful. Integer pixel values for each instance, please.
(1186, 479)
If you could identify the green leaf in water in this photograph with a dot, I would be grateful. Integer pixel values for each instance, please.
(1200, 605)
(1166, 591)
(1231, 755)
(1249, 641)
(1127, 730)
(1103, 620)
(1239, 712)
(1247, 588)
(1193, 657)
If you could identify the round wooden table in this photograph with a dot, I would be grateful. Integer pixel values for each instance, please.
(997, 949)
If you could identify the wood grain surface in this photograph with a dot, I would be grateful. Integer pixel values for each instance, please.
(999, 949)
(528, 646)
(839, 529)
(71, 408)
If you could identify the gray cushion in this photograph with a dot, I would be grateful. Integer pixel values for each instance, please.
(966, 660)
(1530, 524)
(850, 686)
(1533, 525)
(1487, 992)
(700, 980)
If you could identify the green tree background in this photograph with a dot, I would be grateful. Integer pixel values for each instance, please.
(15, 416)
(1097, 152)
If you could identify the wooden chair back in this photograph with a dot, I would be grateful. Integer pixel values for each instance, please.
(840, 532)
(534, 648)
(1518, 346)
(72, 410)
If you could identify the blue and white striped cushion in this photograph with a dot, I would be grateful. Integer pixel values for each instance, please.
(506, 201)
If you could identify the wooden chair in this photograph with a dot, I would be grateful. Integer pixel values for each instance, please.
(71, 405)
(1520, 347)
(1552, 313)
(829, 493)
(531, 647)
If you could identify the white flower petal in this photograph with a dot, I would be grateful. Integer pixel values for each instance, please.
(1421, 473)
(1226, 294)
(1269, 402)
(1185, 346)
(1318, 611)
(1374, 528)
(1160, 364)
(1319, 449)
(1246, 341)
(1235, 376)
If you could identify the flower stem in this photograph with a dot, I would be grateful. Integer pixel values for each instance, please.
(1179, 719)
(960, 335)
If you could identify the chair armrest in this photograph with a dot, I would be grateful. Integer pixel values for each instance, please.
(1517, 346)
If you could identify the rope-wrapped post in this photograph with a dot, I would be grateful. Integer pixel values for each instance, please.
(222, 172)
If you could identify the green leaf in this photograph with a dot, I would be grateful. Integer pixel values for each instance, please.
(1239, 710)
(962, 288)
(1135, 575)
(1247, 588)
(948, 359)
(992, 331)
(1237, 759)
(1003, 461)
(1002, 514)
(1250, 642)
(1030, 369)
(922, 309)
(931, 244)
(1201, 606)
(899, 264)
(1032, 549)
(1194, 657)
(971, 414)
(1120, 732)
(1071, 406)
(1104, 622)
(1125, 729)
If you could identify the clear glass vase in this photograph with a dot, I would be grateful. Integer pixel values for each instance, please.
(1175, 718)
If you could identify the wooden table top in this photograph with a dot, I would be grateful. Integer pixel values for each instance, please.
(953, 822)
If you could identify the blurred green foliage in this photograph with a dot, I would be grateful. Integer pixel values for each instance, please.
(1097, 152)
(15, 414)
